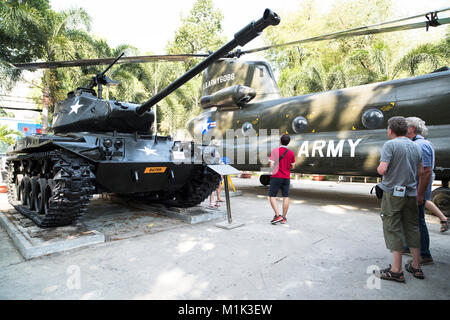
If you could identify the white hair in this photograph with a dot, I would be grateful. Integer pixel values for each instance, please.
(419, 124)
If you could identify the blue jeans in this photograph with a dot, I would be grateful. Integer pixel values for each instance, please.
(424, 236)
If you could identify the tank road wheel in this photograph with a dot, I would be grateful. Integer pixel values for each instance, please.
(26, 192)
(18, 187)
(40, 200)
(264, 179)
(441, 198)
(34, 183)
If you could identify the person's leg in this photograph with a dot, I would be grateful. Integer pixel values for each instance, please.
(273, 203)
(415, 252)
(397, 264)
(391, 216)
(424, 236)
(285, 193)
(413, 237)
(285, 206)
(429, 205)
(212, 203)
(219, 189)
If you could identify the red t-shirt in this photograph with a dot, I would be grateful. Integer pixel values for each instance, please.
(283, 168)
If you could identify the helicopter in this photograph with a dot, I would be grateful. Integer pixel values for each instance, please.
(338, 132)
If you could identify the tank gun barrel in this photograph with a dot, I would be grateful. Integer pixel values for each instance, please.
(241, 38)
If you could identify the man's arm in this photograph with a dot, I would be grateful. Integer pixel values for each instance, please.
(424, 179)
(385, 158)
(382, 168)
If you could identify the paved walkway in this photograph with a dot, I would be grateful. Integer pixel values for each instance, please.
(327, 250)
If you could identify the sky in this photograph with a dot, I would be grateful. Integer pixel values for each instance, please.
(149, 25)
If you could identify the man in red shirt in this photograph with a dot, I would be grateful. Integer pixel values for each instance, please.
(282, 160)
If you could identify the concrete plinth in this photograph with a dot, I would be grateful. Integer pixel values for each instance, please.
(191, 215)
(32, 241)
(229, 226)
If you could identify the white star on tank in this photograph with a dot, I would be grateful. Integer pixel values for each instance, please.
(149, 151)
(75, 107)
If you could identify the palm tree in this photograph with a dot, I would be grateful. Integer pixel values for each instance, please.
(6, 135)
(428, 56)
(62, 31)
(20, 37)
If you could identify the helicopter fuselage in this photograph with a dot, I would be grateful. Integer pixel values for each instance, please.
(337, 132)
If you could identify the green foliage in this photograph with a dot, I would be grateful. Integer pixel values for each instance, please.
(7, 135)
(335, 64)
(20, 37)
(200, 32)
(425, 58)
(21, 24)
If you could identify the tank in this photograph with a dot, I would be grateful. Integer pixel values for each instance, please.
(103, 145)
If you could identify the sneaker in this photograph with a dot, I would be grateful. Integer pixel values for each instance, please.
(423, 261)
(284, 220)
(276, 219)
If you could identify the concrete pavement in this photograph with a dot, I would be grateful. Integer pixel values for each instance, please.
(327, 250)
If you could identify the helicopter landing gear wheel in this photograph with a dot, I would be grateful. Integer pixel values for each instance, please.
(264, 179)
(441, 198)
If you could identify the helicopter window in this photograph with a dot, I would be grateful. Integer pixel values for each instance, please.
(372, 119)
(246, 127)
(299, 124)
(261, 72)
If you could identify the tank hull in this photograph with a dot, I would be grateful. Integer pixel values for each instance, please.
(155, 169)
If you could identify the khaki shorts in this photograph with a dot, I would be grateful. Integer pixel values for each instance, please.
(400, 218)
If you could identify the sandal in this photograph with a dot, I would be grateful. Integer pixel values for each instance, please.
(444, 226)
(417, 273)
(387, 274)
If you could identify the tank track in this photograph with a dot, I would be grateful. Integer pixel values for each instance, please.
(51, 188)
(204, 181)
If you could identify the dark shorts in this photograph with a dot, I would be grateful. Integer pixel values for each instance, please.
(277, 184)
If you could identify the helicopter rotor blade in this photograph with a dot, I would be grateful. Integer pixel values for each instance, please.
(366, 30)
(104, 61)
(24, 109)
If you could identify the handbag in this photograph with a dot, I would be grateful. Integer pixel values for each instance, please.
(378, 191)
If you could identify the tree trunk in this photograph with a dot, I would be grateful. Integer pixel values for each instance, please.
(45, 102)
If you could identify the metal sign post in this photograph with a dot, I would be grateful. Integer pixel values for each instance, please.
(225, 170)
(227, 198)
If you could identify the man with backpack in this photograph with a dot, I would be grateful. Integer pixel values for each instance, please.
(282, 160)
